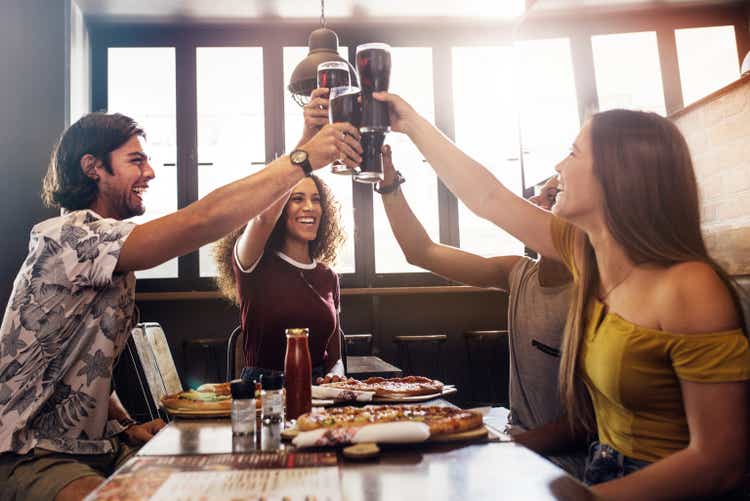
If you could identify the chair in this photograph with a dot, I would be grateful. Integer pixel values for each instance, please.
(235, 359)
(432, 343)
(488, 359)
(148, 356)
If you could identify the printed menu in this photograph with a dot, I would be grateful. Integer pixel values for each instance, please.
(251, 476)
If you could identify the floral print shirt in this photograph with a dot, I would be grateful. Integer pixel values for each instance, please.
(67, 321)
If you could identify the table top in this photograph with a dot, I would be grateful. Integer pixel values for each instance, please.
(426, 471)
(370, 366)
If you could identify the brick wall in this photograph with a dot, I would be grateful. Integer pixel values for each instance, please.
(717, 129)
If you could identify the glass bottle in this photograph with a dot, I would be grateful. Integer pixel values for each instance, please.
(298, 373)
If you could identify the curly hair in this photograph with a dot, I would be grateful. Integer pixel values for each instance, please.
(99, 134)
(324, 248)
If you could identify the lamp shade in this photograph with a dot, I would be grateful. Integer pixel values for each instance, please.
(324, 46)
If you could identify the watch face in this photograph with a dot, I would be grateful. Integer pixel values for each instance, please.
(298, 156)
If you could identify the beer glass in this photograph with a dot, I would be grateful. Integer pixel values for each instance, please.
(343, 106)
(374, 68)
(333, 74)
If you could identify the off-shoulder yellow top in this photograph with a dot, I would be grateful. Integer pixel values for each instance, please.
(633, 372)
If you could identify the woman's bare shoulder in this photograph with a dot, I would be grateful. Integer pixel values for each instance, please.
(695, 299)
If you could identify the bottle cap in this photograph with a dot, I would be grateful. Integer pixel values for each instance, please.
(242, 389)
(272, 381)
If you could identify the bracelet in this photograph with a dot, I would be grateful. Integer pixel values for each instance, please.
(127, 423)
(384, 190)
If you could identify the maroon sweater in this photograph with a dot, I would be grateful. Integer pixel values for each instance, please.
(278, 294)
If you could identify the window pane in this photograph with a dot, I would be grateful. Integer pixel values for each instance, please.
(231, 131)
(341, 186)
(628, 73)
(151, 102)
(411, 78)
(708, 60)
(549, 113)
(487, 129)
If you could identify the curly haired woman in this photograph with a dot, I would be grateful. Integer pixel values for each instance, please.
(276, 268)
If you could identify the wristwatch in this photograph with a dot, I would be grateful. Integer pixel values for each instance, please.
(300, 158)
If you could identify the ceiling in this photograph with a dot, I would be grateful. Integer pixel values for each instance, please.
(243, 11)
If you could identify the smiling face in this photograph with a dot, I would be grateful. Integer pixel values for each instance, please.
(121, 191)
(580, 195)
(303, 211)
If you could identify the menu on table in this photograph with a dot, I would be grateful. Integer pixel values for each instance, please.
(251, 476)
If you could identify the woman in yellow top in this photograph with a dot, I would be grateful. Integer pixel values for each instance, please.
(655, 330)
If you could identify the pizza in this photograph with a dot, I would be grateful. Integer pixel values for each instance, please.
(397, 387)
(208, 397)
(441, 420)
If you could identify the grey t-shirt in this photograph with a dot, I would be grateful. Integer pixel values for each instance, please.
(536, 321)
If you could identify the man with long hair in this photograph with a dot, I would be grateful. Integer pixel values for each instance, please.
(61, 428)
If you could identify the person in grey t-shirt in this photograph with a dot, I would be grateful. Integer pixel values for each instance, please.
(539, 296)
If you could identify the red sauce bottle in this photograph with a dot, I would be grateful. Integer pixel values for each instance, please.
(297, 373)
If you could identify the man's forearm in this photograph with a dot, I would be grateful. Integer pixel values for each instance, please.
(116, 410)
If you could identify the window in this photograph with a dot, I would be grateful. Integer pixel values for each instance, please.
(411, 78)
(628, 73)
(486, 123)
(341, 186)
(141, 84)
(231, 122)
(708, 60)
(549, 108)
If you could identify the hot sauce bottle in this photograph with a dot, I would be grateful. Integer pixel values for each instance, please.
(297, 373)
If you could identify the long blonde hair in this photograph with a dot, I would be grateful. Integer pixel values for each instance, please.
(652, 210)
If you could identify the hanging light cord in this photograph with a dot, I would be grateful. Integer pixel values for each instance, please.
(323, 13)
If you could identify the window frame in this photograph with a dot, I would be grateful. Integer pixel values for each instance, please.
(186, 38)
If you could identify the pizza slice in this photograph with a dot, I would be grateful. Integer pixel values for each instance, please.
(441, 420)
(409, 386)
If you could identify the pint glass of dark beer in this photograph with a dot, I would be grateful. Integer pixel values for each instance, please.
(343, 106)
(374, 68)
(333, 74)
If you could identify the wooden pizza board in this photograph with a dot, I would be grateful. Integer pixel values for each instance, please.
(193, 413)
(395, 399)
(464, 436)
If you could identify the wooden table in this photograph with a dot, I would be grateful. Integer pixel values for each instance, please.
(369, 366)
(437, 471)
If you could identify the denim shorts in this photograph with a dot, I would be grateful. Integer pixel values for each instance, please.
(604, 464)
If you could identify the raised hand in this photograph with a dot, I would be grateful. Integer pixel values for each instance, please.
(340, 140)
(315, 113)
(401, 114)
(389, 172)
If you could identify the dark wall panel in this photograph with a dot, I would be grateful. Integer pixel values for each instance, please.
(32, 115)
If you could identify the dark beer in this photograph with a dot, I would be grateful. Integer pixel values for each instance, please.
(344, 106)
(374, 68)
(371, 169)
(333, 74)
